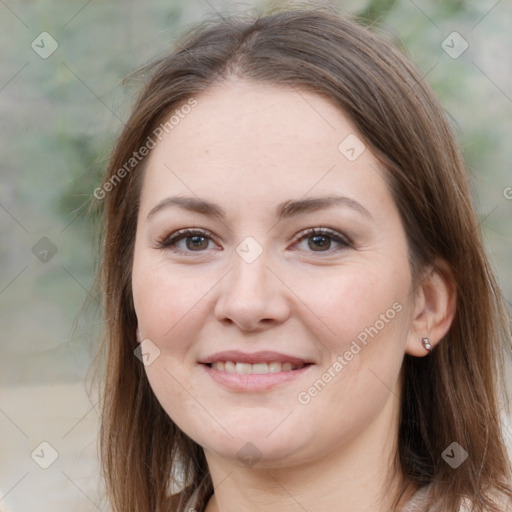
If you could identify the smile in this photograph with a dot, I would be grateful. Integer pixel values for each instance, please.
(254, 369)
(241, 371)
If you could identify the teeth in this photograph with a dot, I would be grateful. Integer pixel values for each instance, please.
(243, 368)
(274, 367)
(257, 368)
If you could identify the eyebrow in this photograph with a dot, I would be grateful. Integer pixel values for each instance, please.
(284, 210)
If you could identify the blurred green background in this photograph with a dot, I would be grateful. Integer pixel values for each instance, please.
(60, 115)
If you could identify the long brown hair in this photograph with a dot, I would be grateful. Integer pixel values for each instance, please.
(453, 395)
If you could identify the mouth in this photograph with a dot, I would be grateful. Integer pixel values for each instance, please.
(260, 371)
(255, 369)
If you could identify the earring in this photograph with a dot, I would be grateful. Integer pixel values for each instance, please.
(138, 335)
(426, 344)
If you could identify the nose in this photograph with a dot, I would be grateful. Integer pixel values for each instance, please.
(252, 297)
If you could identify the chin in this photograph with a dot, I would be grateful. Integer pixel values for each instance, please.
(255, 448)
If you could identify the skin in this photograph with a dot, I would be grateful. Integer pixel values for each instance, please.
(248, 147)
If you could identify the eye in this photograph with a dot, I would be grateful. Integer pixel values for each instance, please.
(187, 240)
(321, 239)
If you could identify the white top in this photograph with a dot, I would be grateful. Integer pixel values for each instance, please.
(419, 501)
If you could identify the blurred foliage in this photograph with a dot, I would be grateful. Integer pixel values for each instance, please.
(375, 10)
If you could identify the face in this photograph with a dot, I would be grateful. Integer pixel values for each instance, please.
(270, 278)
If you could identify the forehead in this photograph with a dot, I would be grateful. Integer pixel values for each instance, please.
(246, 141)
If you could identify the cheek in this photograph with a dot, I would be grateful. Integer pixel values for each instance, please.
(369, 316)
(366, 309)
(358, 301)
(166, 299)
(170, 307)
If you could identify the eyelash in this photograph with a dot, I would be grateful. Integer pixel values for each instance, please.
(170, 241)
(173, 238)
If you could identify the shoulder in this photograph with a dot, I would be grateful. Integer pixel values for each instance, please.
(503, 503)
(420, 500)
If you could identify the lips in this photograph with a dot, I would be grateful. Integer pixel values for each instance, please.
(258, 369)
(254, 358)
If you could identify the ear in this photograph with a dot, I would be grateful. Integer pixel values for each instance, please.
(138, 335)
(434, 310)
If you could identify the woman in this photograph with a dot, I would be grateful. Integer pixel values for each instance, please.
(300, 314)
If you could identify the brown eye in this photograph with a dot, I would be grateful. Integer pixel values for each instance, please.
(322, 240)
(196, 243)
(188, 241)
(319, 242)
